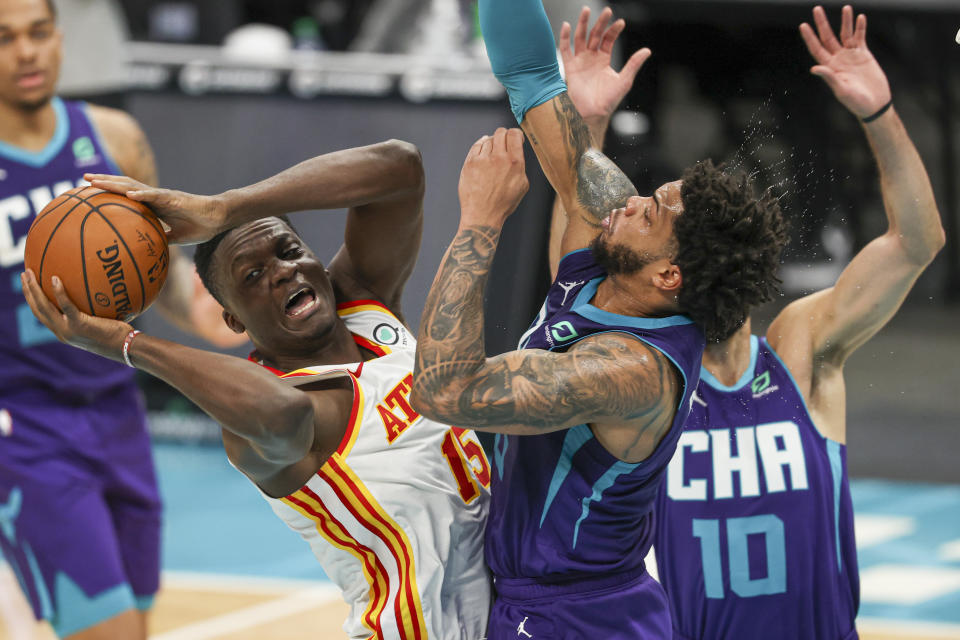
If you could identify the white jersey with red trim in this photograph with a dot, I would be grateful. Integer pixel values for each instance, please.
(396, 515)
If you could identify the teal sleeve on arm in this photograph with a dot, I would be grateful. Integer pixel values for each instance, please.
(522, 52)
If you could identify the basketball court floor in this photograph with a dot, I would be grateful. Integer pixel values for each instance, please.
(233, 570)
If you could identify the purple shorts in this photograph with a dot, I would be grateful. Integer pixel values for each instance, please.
(79, 508)
(626, 606)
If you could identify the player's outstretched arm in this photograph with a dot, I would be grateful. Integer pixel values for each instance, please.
(607, 378)
(596, 90)
(183, 301)
(278, 421)
(381, 185)
(521, 51)
(873, 286)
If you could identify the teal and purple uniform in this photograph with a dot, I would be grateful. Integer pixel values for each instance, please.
(569, 523)
(755, 523)
(79, 509)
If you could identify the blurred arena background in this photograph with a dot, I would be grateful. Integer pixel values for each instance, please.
(231, 91)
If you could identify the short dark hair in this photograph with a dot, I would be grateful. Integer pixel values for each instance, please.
(53, 9)
(203, 259)
(728, 248)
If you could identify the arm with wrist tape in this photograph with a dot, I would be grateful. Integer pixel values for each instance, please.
(522, 52)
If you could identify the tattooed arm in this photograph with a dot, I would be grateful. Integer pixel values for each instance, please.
(589, 184)
(520, 46)
(627, 390)
(596, 90)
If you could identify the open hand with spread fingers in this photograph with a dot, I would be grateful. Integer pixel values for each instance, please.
(846, 65)
(102, 336)
(595, 88)
(191, 218)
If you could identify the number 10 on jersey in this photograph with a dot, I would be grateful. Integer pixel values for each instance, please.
(738, 531)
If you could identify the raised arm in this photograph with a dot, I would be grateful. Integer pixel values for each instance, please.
(609, 379)
(596, 91)
(182, 302)
(281, 423)
(522, 53)
(873, 286)
(381, 185)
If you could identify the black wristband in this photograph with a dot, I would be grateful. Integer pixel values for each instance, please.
(879, 113)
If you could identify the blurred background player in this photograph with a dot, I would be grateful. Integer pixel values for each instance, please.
(601, 386)
(392, 504)
(772, 553)
(79, 510)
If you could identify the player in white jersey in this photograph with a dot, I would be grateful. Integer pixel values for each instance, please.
(392, 504)
(358, 498)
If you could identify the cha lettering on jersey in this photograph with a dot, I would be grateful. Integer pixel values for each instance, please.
(774, 450)
(395, 410)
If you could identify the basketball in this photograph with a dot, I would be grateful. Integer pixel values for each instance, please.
(109, 251)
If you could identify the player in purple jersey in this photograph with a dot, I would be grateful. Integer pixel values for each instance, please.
(755, 524)
(79, 510)
(588, 412)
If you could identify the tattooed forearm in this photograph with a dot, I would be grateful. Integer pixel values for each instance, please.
(606, 378)
(450, 344)
(602, 378)
(600, 185)
(576, 135)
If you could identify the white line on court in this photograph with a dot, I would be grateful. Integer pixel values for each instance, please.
(950, 551)
(871, 529)
(908, 629)
(240, 583)
(254, 616)
(906, 584)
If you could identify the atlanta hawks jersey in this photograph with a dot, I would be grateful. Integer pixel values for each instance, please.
(755, 523)
(396, 515)
(31, 357)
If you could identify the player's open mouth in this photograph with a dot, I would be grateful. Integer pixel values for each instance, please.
(300, 301)
(30, 80)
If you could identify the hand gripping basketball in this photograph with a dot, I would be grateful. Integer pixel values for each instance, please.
(109, 251)
(101, 336)
(190, 218)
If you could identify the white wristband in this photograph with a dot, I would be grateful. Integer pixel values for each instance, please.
(126, 347)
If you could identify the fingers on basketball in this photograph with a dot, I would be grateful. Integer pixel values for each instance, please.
(109, 251)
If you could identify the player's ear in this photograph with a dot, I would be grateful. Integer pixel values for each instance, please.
(235, 325)
(668, 277)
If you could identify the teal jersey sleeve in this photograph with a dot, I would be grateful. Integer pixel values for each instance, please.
(522, 52)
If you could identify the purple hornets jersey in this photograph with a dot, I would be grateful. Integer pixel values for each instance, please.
(563, 508)
(754, 523)
(30, 355)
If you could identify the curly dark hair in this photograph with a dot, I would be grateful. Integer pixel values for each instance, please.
(203, 259)
(728, 248)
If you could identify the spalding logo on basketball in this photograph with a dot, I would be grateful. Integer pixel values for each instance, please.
(110, 252)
